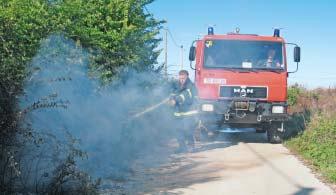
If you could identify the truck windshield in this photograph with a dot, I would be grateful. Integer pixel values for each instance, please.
(243, 54)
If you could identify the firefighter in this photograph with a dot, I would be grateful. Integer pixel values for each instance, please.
(184, 101)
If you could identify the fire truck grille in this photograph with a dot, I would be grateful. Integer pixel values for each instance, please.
(243, 92)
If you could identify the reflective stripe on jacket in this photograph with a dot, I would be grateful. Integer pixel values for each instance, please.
(189, 113)
(185, 99)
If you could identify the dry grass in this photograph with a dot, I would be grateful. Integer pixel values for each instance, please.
(317, 143)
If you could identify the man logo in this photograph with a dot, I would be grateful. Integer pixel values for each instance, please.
(242, 91)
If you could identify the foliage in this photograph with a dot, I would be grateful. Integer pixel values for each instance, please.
(119, 34)
(30, 169)
(314, 112)
(293, 93)
(318, 145)
(23, 25)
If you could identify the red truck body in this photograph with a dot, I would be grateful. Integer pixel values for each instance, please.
(236, 89)
(276, 83)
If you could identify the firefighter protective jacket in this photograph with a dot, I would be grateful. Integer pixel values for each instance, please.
(185, 97)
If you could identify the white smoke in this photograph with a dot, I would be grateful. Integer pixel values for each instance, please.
(65, 102)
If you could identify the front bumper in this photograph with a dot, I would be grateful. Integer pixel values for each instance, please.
(242, 111)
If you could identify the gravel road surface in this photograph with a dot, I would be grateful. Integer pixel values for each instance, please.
(240, 163)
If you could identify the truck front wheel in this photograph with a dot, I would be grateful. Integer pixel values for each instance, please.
(275, 132)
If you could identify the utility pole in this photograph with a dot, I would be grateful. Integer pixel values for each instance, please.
(181, 57)
(166, 53)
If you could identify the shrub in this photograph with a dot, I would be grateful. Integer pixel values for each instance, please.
(318, 145)
(313, 116)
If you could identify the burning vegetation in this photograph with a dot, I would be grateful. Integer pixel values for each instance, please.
(69, 78)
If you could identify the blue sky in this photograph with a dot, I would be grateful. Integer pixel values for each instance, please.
(310, 24)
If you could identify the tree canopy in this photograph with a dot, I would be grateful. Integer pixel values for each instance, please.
(118, 33)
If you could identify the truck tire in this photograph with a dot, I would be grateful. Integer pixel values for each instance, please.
(275, 136)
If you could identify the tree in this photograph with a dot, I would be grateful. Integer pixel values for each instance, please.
(117, 33)
(23, 25)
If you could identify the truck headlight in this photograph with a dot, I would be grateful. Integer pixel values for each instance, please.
(207, 107)
(278, 109)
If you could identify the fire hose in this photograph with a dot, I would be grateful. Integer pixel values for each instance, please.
(149, 109)
(128, 124)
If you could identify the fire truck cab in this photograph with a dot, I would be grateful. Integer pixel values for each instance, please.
(242, 81)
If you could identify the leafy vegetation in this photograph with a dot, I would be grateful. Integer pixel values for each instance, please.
(317, 143)
(293, 94)
(119, 35)
(23, 25)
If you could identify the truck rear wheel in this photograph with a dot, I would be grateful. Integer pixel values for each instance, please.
(275, 133)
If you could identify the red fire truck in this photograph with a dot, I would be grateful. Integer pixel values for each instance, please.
(242, 81)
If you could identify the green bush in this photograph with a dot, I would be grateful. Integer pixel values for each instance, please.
(293, 93)
(313, 119)
(117, 34)
(318, 145)
(23, 25)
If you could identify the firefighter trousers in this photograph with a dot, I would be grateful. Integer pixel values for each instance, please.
(185, 131)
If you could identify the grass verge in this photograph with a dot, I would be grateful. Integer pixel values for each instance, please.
(317, 145)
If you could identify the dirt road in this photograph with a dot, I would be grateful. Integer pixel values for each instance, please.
(241, 163)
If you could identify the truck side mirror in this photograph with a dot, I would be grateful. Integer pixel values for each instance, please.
(297, 54)
(192, 53)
